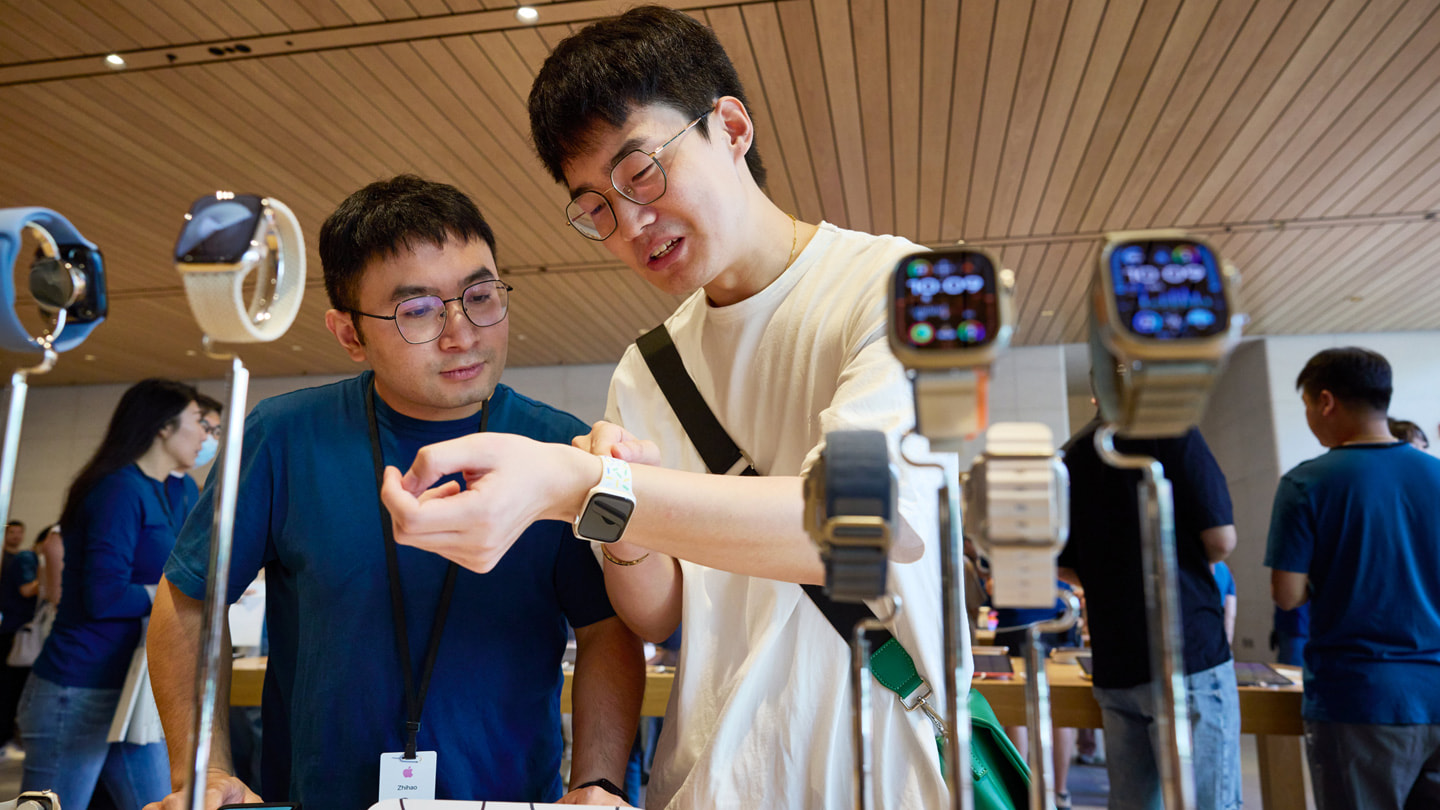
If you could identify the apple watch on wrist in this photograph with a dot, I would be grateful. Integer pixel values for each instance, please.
(226, 236)
(67, 280)
(608, 505)
(950, 316)
(1163, 320)
(1017, 511)
(850, 507)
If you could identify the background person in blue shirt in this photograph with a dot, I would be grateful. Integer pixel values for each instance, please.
(410, 272)
(1225, 582)
(1356, 533)
(119, 528)
(18, 589)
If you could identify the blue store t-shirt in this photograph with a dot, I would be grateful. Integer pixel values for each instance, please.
(117, 545)
(1363, 521)
(309, 513)
(16, 569)
(1224, 580)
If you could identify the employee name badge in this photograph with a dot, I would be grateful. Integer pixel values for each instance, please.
(402, 778)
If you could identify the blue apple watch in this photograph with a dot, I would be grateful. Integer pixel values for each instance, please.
(67, 280)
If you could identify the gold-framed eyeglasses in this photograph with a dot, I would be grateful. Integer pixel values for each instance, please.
(422, 319)
(638, 177)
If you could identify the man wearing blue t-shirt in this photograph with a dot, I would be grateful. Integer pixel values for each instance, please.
(1356, 532)
(358, 625)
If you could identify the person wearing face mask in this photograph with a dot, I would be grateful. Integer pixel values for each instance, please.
(180, 487)
(120, 527)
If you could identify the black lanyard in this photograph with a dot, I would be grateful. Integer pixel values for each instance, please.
(414, 700)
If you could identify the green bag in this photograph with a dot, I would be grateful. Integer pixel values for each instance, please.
(1001, 777)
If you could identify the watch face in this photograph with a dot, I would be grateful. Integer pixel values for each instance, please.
(1168, 289)
(605, 517)
(948, 299)
(74, 281)
(219, 231)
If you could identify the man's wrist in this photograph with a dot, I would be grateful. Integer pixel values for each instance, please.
(607, 786)
(579, 472)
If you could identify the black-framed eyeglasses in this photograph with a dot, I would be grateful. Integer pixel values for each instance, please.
(422, 319)
(212, 430)
(638, 177)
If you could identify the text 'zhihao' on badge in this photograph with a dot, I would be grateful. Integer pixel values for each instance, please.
(402, 778)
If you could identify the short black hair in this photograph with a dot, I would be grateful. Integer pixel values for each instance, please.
(1407, 431)
(385, 216)
(648, 55)
(19, 523)
(1354, 376)
(208, 403)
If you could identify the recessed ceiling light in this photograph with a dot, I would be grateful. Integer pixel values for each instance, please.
(527, 14)
(1047, 313)
(115, 61)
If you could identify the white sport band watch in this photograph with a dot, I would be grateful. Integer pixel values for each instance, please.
(225, 238)
(608, 505)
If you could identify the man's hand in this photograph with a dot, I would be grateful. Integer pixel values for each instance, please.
(510, 482)
(593, 795)
(221, 787)
(609, 439)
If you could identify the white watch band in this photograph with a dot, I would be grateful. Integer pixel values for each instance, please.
(217, 298)
(950, 406)
(1026, 512)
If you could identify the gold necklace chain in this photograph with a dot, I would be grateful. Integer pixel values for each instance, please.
(794, 233)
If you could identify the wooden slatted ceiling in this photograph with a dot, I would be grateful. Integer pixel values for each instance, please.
(1302, 135)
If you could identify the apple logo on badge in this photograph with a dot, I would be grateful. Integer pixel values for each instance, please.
(408, 773)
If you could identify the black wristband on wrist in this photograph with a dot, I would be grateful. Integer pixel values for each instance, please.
(607, 785)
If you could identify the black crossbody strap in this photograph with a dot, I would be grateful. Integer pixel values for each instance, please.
(715, 446)
(721, 456)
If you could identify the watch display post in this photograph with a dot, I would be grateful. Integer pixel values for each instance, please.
(950, 316)
(226, 238)
(1163, 320)
(67, 283)
(850, 509)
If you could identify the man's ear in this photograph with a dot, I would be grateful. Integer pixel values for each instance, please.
(735, 126)
(342, 326)
(1326, 403)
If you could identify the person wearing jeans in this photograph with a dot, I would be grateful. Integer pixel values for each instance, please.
(1129, 716)
(120, 525)
(1104, 555)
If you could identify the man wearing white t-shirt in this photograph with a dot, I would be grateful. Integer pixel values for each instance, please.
(642, 116)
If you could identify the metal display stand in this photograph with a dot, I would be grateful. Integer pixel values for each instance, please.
(15, 414)
(1162, 603)
(216, 300)
(958, 778)
(1037, 704)
(218, 573)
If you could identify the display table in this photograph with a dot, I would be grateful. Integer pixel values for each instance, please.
(248, 680)
(1270, 713)
(1273, 714)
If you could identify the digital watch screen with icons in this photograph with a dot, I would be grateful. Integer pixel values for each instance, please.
(946, 300)
(219, 230)
(1168, 290)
